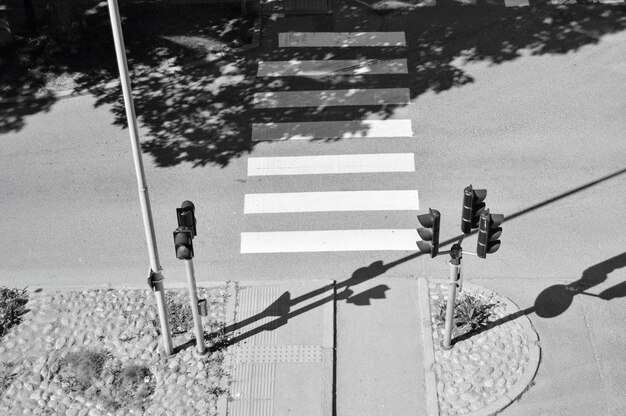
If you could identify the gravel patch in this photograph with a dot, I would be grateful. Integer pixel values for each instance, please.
(96, 352)
(484, 373)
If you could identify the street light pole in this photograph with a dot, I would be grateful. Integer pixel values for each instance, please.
(156, 278)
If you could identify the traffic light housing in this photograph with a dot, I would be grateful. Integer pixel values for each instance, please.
(183, 243)
(186, 216)
(429, 233)
(489, 232)
(473, 205)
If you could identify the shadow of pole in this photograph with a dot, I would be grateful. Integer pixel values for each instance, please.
(555, 300)
(550, 303)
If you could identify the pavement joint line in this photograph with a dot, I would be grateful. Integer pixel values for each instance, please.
(329, 357)
(430, 378)
(46, 94)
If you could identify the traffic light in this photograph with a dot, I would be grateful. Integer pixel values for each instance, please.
(186, 216)
(183, 243)
(473, 205)
(489, 232)
(430, 233)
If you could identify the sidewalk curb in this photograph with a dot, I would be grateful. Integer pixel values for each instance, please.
(46, 94)
(231, 306)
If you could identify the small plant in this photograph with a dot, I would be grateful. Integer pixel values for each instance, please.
(470, 313)
(181, 319)
(132, 385)
(6, 376)
(80, 370)
(12, 303)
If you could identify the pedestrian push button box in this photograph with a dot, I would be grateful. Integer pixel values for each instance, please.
(202, 307)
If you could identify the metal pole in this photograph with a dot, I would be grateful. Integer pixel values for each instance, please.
(156, 276)
(455, 276)
(193, 299)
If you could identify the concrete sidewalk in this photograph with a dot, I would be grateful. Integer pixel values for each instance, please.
(582, 370)
(321, 348)
(382, 339)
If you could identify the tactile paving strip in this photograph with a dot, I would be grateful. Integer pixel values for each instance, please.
(260, 311)
(259, 302)
(252, 389)
(278, 354)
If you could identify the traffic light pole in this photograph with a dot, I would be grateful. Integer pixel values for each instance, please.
(201, 349)
(156, 278)
(455, 278)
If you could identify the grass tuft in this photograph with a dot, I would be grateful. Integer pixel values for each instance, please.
(471, 313)
(100, 377)
(12, 302)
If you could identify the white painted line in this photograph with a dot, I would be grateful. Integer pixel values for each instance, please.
(398, 5)
(516, 3)
(311, 69)
(353, 129)
(340, 39)
(332, 164)
(331, 201)
(328, 98)
(331, 240)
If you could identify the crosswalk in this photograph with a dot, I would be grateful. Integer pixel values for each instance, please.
(273, 170)
(390, 5)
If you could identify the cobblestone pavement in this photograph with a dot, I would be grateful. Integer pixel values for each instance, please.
(487, 371)
(119, 331)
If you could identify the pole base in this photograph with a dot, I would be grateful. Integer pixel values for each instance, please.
(198, 354)
(161, 351)
(443, 347)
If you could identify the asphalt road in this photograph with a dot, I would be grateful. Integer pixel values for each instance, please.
(544, 134)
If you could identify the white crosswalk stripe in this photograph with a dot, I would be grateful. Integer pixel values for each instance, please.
(332, 98)
(351, 129)
(331, 164)
(340, 39)
(330, 201)
(516, 3)
(328, 240)
(321, 68)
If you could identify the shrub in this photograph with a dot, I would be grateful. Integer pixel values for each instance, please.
(12, 303)
(471, 313)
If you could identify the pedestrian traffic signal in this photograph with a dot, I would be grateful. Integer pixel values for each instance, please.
(186, 216)
(489, 232)
(430, 233)
(183, 243)
(473, 205)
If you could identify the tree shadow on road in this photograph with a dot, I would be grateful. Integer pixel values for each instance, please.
(203, 114)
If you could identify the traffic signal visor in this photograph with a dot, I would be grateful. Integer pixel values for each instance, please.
(429, 234)
(473, 206)
(489, 232)
(186, 216)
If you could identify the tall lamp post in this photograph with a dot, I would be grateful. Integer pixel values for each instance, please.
(156, 278)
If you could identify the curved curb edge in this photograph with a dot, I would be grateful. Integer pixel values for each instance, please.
(525, 381)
